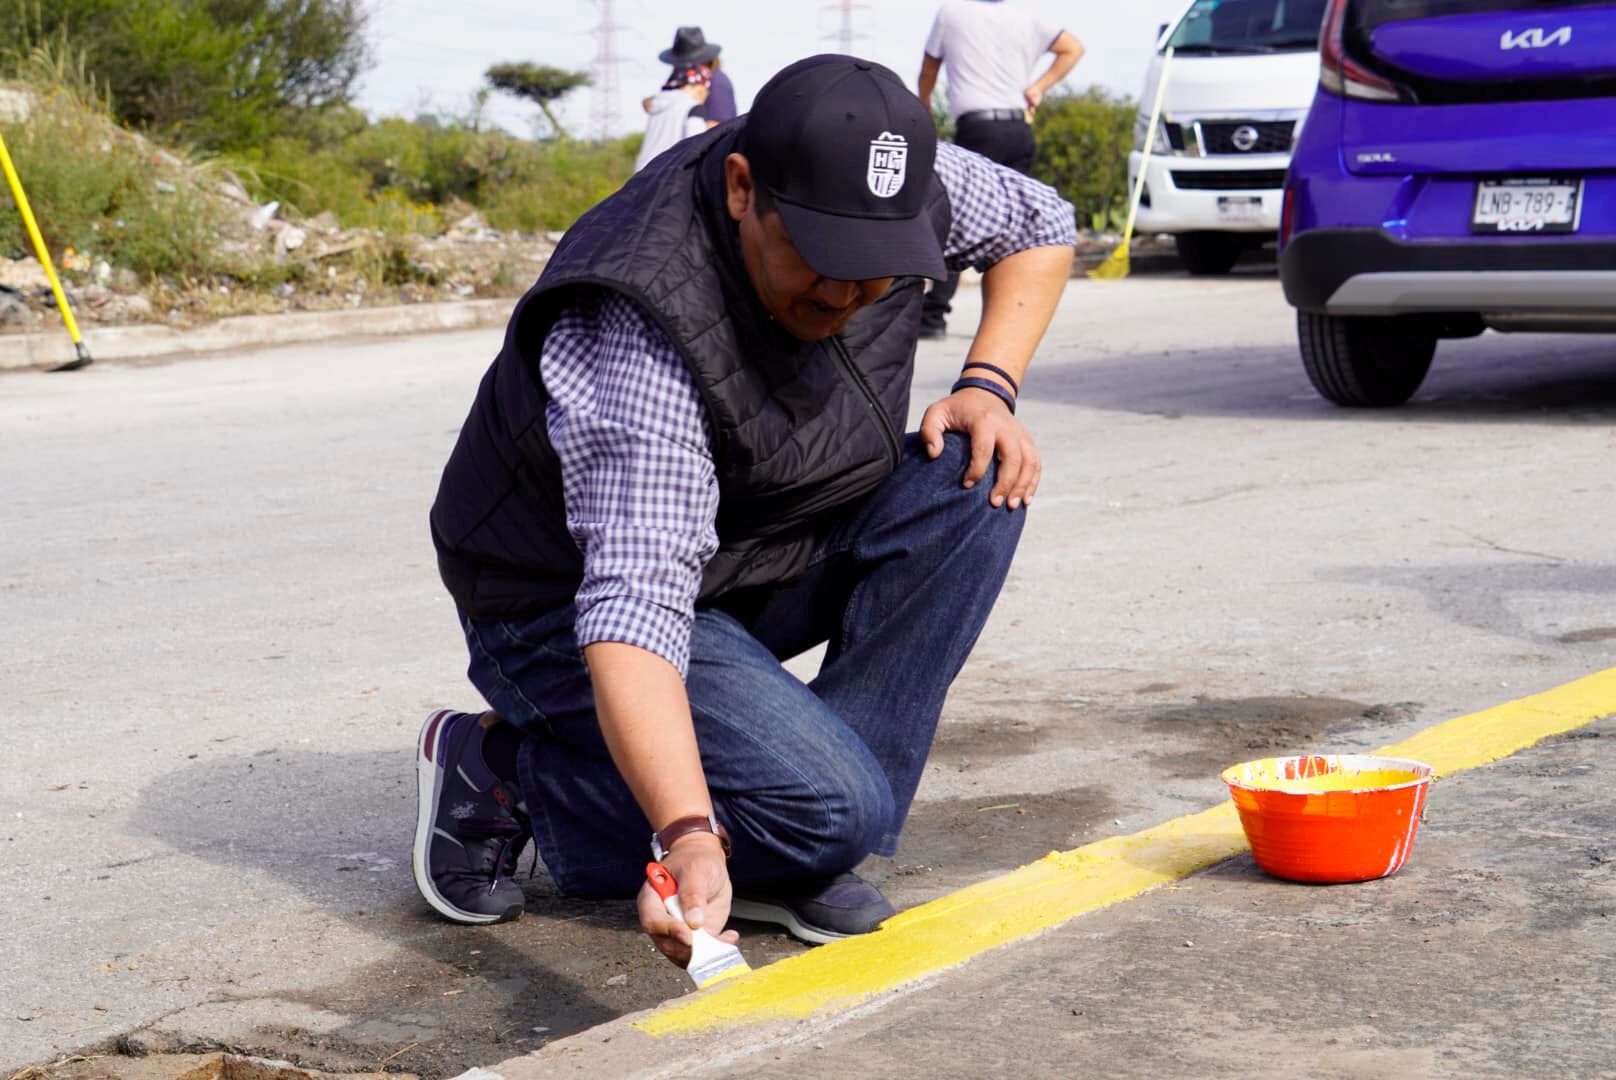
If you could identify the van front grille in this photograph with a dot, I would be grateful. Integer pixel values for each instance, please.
(1229, 180)
(1271, 137)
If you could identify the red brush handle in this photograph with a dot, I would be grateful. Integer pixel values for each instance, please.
(661, 880)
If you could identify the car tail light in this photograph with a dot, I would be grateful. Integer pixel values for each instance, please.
(1287, 217)
(1340, 74)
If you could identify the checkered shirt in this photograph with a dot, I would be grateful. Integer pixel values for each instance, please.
(629, 426)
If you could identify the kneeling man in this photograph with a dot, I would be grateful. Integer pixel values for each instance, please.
(687, 464)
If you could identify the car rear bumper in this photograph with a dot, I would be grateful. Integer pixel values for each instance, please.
(1366, 272)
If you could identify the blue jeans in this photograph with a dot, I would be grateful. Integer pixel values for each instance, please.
(808, 779)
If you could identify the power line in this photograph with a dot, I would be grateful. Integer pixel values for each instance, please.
(603, 72)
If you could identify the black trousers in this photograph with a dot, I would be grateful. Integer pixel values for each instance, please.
(1009, 142)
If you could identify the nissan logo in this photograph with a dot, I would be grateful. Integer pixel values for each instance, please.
(1244, 138)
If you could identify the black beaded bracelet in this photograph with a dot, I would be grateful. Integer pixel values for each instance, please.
(999, 371)
(991, 387)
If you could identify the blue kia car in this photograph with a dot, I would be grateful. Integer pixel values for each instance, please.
(1457, 173)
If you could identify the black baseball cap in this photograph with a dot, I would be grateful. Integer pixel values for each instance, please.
(847, 152)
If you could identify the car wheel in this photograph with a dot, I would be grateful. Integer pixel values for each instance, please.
(1209, 254)
(1363, 360)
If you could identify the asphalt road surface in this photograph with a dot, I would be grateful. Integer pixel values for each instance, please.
(221, 626)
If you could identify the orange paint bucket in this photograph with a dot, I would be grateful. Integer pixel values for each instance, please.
(1330, 817)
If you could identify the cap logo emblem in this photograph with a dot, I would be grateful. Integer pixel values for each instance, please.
(889, 164)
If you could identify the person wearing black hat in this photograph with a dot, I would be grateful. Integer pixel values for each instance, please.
(690, 46)
(686, 465)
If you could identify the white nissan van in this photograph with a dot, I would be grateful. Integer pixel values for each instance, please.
(1242, 77)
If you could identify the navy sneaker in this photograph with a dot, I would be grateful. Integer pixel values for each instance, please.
(842, 907)
(470, 828)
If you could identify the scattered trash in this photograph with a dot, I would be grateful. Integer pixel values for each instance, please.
(617, 980)
(14, 310)
(264, 215)
(456, 255)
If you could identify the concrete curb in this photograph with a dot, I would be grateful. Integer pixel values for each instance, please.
(44, 350)
(32, 352)
(617, 1049)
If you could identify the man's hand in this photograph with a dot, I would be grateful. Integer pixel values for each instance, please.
(1034, 95)
(993, 430)
(697, 864)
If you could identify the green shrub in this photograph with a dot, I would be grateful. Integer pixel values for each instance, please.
(392, 212)
(562, 181)
(219, 73)
(106, 195)
(1083, 145)
(294, 174)
(394, 175)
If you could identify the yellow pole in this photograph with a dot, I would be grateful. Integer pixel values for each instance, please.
(1117, 263)
(44, 260)
(1150, 146)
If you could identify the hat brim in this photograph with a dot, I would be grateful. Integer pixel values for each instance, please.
(862, 249)
(705, 54)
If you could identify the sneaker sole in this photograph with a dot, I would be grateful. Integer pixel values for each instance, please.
(780, 915)
(428, 783)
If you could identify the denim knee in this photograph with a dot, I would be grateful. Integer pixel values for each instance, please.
(954, 459)
(957, 451)
(860, 811)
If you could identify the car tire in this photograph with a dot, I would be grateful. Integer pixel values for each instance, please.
(1208, 254)
(1364, 361)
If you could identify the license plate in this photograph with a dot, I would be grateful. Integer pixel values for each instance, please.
(1240, 208)
(1527, 205)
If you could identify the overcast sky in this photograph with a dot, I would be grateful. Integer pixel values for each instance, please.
(431, 54)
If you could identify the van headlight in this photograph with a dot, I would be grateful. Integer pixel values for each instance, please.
(1141, 127)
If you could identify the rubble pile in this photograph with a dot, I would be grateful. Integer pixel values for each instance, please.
(272, 260)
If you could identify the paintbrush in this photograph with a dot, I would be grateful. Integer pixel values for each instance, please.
(711, 961)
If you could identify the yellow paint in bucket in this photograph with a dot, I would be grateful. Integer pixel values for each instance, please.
(1270, 774)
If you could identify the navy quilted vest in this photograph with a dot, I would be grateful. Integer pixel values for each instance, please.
(798, 430)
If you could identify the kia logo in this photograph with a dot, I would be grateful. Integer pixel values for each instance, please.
(1535, 38)
(1244, 138)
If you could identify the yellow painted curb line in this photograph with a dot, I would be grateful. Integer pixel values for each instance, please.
(947, 931)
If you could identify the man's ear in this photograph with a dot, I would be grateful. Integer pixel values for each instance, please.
(738, 188)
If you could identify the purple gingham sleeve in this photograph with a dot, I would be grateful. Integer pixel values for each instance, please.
(642, 495)
(997, 211)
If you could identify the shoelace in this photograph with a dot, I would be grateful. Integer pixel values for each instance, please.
(508, 832)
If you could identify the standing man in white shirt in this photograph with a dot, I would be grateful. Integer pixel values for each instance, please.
(991, 48)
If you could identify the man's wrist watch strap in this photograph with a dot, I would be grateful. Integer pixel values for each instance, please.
(663, 839)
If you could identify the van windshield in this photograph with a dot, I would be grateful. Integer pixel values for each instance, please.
(1249, 26)
(1372, 13)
